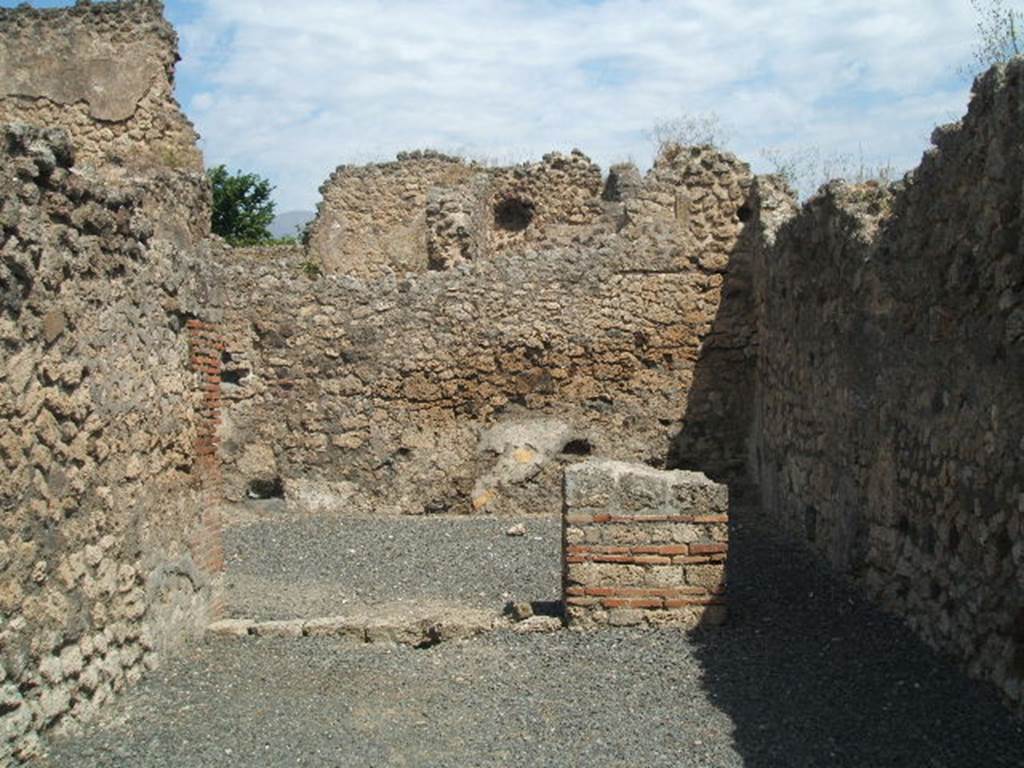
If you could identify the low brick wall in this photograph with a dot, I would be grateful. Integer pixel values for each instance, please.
(643, 546)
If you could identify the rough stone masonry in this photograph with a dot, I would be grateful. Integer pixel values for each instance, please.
(891, 384)
(468, 389)
(108, 553)
(109, 537)
(477, 332)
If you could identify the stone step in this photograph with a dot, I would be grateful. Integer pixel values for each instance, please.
(417, 625)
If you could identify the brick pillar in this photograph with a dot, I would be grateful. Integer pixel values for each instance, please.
(206, 346)
(642, 546)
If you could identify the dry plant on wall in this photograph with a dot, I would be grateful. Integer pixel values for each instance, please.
(671, 136)
(1000, 27)
(807, 169)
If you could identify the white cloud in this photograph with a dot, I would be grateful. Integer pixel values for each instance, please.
(292, 89)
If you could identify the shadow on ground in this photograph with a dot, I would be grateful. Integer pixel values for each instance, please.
(812, 675)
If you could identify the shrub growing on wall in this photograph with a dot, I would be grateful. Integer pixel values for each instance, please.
(1000, 30)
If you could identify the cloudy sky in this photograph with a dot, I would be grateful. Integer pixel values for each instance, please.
(292, 89)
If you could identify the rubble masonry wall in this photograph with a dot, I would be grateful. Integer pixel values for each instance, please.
(891, 406)
(109, 540)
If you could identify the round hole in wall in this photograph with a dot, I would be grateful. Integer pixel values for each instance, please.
(579, 447)
(266, 488)
(745, 213)
(513, 214)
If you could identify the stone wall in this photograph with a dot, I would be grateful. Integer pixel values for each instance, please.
(105, 73)
(108, 537)
(642, 546)
(372, 218)
(891, 406)
(501, 209)
(467, 389)
(428, 210)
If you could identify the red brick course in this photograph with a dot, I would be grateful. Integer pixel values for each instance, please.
(623, 567)
(207, 545)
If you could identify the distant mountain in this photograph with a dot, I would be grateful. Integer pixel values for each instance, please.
(290, 223)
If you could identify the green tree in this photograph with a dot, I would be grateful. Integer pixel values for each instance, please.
(242, 208)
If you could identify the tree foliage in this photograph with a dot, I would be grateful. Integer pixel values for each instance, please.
(1000, 29)
(242, 208)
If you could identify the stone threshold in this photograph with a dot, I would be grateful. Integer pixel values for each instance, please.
(395, 624)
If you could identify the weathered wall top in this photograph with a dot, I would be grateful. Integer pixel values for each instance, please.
(373, 217)
(106, 55)
(431, 210)
(105, 74)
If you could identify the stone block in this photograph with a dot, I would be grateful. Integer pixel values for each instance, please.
(589, 485)
(291, 628)
(231, 627)
(353, 628)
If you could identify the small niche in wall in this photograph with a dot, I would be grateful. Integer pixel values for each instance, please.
(580, 447)
(266, 488)
(811, 524)
(230, 374)
(513, 214)
(235, 376)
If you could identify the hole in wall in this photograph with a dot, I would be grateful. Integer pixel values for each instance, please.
(954, 539)
(177, 319)
(1004, 544)
(234, 376)
(264, 488)
(513, 214)
(811, 524)
(230, 374)
(745, 213)
(581, 447)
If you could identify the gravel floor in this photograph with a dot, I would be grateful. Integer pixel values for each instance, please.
(805, 674)
(302, 567)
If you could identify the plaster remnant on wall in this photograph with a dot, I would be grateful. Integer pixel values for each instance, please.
(105, 73)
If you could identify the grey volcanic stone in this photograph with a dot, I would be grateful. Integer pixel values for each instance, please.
(805, 674)
(290, 567)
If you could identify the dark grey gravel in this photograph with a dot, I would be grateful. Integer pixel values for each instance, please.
(286, 567)
(805, 674)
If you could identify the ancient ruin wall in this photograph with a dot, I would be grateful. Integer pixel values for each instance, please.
(891, 405)
(465, 389)
(502, 209)
(105, 73)
(431, 211)
(372, 218)
(108, 535)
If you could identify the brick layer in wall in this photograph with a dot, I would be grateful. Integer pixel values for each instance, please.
(642, 546)
(206, 345)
